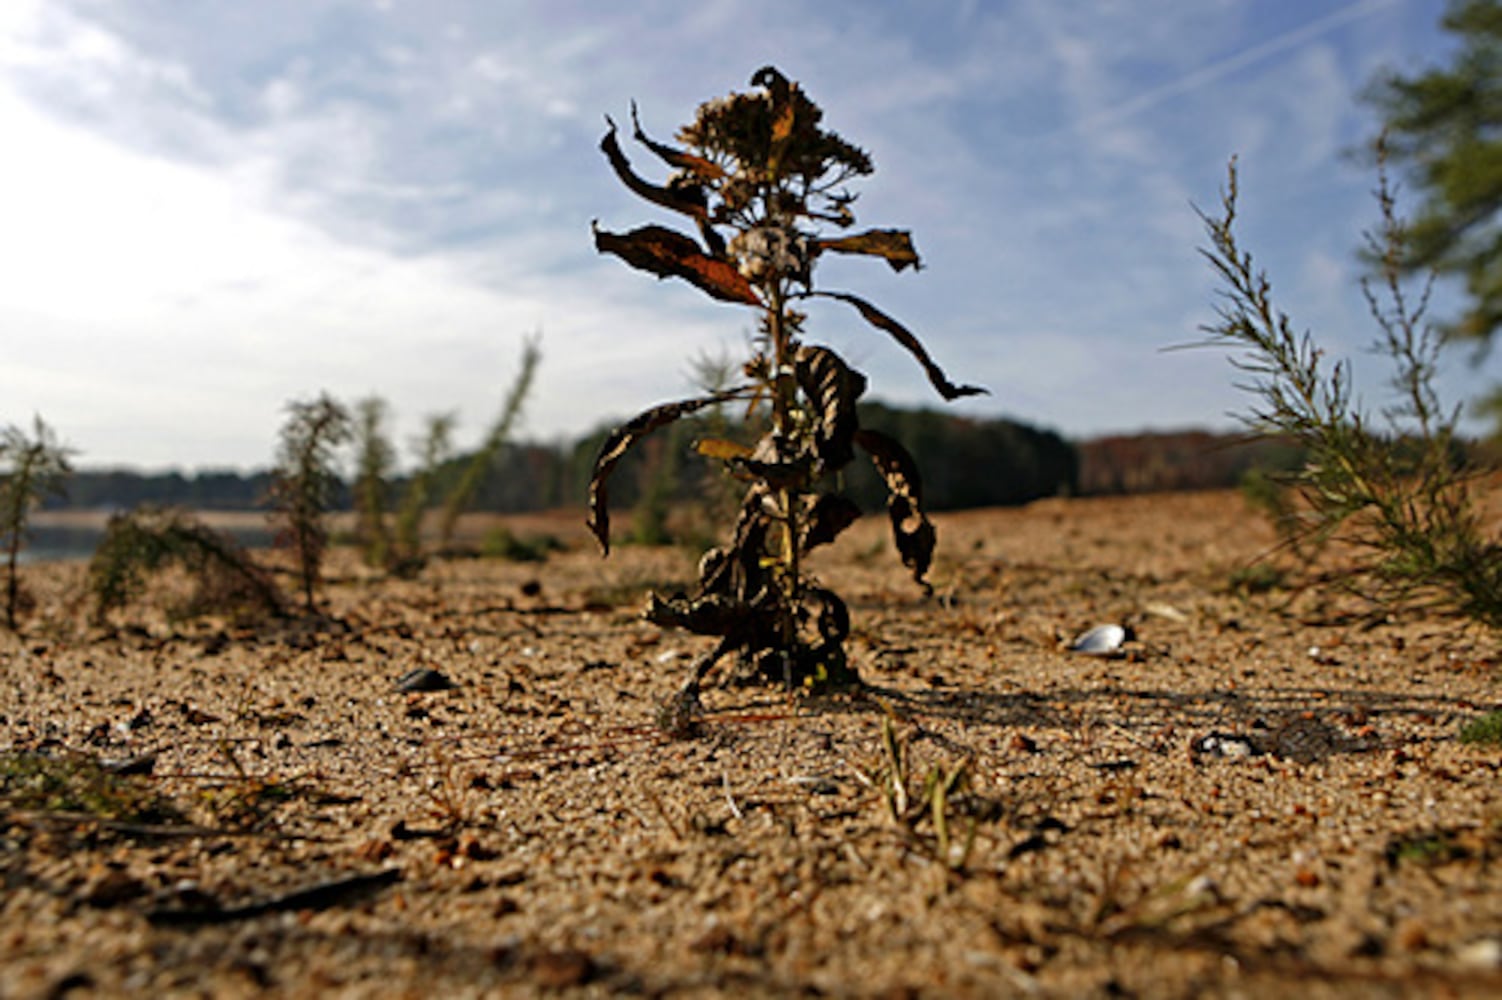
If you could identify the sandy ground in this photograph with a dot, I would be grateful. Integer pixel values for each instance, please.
(1264, 793)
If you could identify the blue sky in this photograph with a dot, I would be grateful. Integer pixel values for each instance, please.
(209, 209)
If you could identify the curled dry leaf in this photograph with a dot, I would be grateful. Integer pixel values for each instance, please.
(911, 528)
(895, 245)
(686, 197)
(905, 337)
(781, 90)
(620, 441)
(833, 387)
(784, 113)
(710, 614)
(778, 474)
(686, 192)
(833, 620)
(679, 159)
(739, 570)
(827, 516)
(670, 254)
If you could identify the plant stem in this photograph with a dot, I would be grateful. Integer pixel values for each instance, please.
(13, 586)
(20, 494)
(783, 402)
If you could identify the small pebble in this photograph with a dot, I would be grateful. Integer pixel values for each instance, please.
(1202, 885)
(111, 887)
(1022, 743)
(1411, 935)
(142, 764)
(557, 970)
(424, 679)
(1225, 745)
(1103, 640)
(1484, 954)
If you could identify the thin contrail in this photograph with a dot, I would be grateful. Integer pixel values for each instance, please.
(1225, 67)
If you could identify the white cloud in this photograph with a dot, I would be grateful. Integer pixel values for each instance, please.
(148, 289)
(296, 195)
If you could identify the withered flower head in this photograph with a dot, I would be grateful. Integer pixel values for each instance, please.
(770, 138)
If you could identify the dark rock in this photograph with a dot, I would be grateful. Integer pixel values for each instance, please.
(424, 679)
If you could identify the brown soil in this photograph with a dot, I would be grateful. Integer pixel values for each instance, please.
(1265, 793)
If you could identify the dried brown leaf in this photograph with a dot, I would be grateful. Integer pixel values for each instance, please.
(720, 448)
(711, 614)
(669, 254)
(833, 621)
(738, 570)
(783, 115)
(688, 198)
(829, 515)
(895, 245)
(833, 387)
(784, 108)
(903, 336)
(680, 159)
(911, 528)
(621, 441)
(784, 475)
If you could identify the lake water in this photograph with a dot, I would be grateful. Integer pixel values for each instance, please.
(55, 543)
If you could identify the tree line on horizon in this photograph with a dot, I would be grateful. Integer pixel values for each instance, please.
(1024, 463)
(967, 463)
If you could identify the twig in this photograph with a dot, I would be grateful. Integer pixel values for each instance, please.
(317, 897)
(64, 818)
(735, 810)
(662, 812)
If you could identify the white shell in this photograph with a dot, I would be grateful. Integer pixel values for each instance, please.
(1102, 640)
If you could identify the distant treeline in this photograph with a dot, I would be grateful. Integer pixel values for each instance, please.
(970, 463)
(965, 463)
(123, 489)
(1177, 460)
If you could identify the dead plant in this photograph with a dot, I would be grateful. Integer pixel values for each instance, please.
(147, 540)
(759, 166)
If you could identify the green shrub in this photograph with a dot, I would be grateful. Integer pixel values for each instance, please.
(37, 465)
(1399, 497)
(304, 481)
(463, 491)
(501, 542)
(35, 782)
(375, 458)
(1486, 730)
(147, 540)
